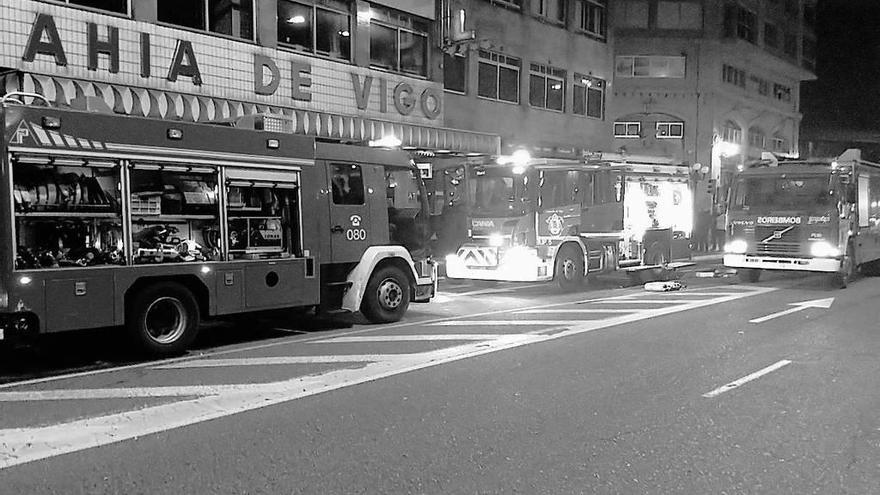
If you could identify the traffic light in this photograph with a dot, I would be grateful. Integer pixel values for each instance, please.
(710, 187)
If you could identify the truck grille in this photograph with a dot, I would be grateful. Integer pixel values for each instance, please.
(778, 240)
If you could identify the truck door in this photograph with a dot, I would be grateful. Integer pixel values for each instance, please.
(352, 189)
(603, 210)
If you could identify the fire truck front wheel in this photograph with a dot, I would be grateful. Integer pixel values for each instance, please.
(387, 295)
(569, 270)
(749, 275)
(163, 319)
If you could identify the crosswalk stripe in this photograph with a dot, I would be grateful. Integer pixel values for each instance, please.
(575, 311)
(497, 323)
(407, 338)
(279, 360)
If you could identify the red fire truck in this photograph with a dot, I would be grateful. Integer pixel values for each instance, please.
(562, 220)
(816, 215)
(111, 220)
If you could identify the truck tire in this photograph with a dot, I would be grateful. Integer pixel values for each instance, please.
(569, 268)
(163, 319)
(748, 275)
(387, 295)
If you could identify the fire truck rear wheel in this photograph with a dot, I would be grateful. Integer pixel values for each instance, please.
(387, 295)
(748, 275)
(163, 319)
(569, 270)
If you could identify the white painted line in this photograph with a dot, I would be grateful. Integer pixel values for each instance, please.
(121, 393)
(498, 290)
(278, 360)
(799, 306)
(575, 311)
(647, 301)
(407, 338)
(758, 374)
(22, 445)
(497, 323)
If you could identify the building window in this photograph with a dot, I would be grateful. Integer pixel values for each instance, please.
(762, 86)
(455, 73)
(771, 35)
(669, 130)
(650, 66)
(679, 15)
(552, 10)
(515, 4)
(118, 6)
(546, 87)
(781, 92)
(628, 130)
(591, 17)
(808, 55)
(810, 14)
(732, 75)
(779, 144)
(746, 25)
(324, 29)
(791, 43)
(498, 77)
(731, 133)
(756, 138)
(398, 42)
(234, 19)
(588, 96)
(634, 14)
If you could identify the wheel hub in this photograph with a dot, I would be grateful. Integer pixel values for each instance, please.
(390, 294)
(165, 320)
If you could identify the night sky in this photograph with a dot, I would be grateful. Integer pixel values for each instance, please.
(846, 94)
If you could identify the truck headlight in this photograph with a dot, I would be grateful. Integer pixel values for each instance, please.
(823, 249)
(496, 240)
(736, 246)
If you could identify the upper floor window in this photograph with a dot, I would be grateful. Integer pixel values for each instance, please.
(591, 17)
(516, 4)
(669, 130)
(322, 29)
(553, 10)
(761, 85)
(633, 14)
(546, 87)
(679, 15)
(118, 6)
(627, 130)
(455, 73)
(398, 41)
(809, 54)
(588, 96)
(810, 14)
(650, 66)
(792, 7)
(771, 35)
(790, 48)
(781, 92)
(234, 19)
(732, 75)
(746, 25)
(498, 76)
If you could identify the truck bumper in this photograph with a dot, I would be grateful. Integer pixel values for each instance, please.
(825, 265)
(527, 268)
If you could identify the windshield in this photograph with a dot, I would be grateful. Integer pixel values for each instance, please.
(495, 193)
(783, 192)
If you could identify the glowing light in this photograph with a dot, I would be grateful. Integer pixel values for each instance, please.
(496, 240)
(344, 34)
(519, 169)
(25, 280)
(206, 270)
(390, 141)
(823, 249)
(297, 19)
(724, 148)
(736, 246)
(365, 16)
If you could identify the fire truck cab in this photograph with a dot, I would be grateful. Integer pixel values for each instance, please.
(112, 220)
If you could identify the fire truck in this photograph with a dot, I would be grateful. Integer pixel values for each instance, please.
(118, 221)
(816, 215)
(563, 220)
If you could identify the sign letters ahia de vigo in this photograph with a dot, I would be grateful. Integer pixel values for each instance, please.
(103, 41)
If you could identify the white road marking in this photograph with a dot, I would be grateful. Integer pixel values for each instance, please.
(579, 310)
(22, 445)
(407, 338)
(758, 374)
(648, 301)
(498, 290)
(283, 360)
(121, 392)
(799, 306)
(495, 323)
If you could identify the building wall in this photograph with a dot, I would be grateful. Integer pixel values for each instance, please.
(709, 97)
(518, 32)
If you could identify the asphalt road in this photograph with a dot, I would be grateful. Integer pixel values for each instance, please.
(490, 389)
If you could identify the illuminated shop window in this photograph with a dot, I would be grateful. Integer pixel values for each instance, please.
(117, 6)
(323, 29)
(498, 77)
(398, 41)
(588, 96)
(546, 87)
(226, 17)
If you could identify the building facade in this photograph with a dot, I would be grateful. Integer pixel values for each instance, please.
(710, 83)
(535, 72)
(340, 69)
